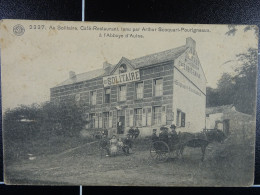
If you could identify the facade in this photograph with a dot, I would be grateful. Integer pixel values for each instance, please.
(147, 92)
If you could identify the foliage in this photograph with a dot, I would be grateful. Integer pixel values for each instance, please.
(232, 29)
(27, 122)
(238, 89)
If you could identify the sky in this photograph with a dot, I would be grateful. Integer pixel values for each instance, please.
(40, 59)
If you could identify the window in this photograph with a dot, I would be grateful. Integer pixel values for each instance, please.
(158, 87)
(93, 97)
(122, 93)
(107, 95)
(95, 120)
(157, 115)
(138, 117)
(180, 120)
(106, 120)
(139, 89)
(183, 115)
(122, 68)
(92, 120)
(149, 116)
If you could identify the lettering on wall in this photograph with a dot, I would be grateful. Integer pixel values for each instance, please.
(189, 69)
(178, 83)
(121, 78)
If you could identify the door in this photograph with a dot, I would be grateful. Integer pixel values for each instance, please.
(226, 126)
(120, 121)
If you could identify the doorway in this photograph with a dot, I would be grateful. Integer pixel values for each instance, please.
(120, 121)
(226, 126)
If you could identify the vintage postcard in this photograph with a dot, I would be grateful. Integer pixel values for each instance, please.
(128, 104)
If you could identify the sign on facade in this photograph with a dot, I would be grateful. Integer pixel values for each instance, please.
(121, 78)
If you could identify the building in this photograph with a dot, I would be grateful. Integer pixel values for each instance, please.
(147, 92)
(227, 119)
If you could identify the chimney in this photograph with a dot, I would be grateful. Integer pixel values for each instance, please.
(72, 75)
(190, 43)
(106, 65)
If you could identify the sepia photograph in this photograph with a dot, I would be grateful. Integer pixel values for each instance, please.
(128, 104)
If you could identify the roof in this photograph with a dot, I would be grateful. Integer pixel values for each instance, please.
(144, 61)
(84, 76)
(163, 56)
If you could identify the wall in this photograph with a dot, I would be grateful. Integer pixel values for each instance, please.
(189, 98)
(211, 120)
(147, 75)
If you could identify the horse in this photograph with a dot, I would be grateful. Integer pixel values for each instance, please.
(199, 140)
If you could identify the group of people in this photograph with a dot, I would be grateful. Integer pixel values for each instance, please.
(113, 145)
(164, 135)
(134, 133)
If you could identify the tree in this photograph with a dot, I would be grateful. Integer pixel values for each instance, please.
(245, 91)
(25, 122)
(232, 29)
(240, 89)
(225, 89)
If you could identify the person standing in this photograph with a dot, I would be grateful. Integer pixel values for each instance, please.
(128, 143)
(113, 146)
(105, 133)
(119, 127)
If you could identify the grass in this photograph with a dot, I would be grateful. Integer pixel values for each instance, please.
(228, 163)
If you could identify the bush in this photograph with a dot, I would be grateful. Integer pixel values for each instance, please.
(48, 119)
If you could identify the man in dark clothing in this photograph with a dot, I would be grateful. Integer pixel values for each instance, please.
(104, 145)
(173, 134)
(154, 136)
(105, 133)
(173, 128)
(131, 132)
(163, 136)
(128, 143)
(136, 132)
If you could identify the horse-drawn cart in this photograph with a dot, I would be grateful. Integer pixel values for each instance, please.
(161, 149)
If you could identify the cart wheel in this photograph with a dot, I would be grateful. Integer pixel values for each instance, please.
(159, 151)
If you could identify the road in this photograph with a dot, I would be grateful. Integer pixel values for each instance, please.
(85, 166)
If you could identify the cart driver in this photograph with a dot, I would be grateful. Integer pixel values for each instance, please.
(173, 133)
(163, 136)
(154, 136)
(173, 129)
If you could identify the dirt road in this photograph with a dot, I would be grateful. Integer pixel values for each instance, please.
(85, 166)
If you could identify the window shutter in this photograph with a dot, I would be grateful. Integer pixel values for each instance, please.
(100, 120)
(110, 119)
(87, 119)
(114, 120)
(96, 120)
(163, 115)
(149, 116)
(127, 117)
(144, 117)
(131, 118)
